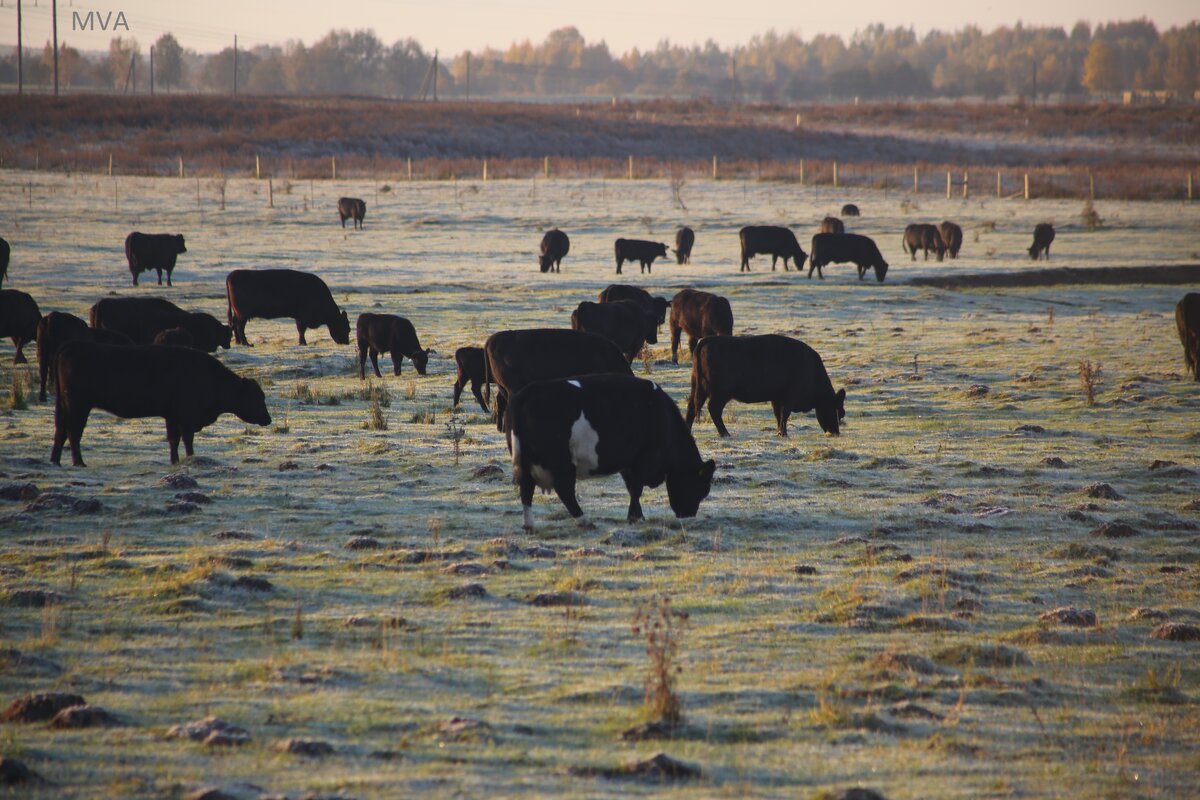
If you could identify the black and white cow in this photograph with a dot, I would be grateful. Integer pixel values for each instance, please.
(570, 428)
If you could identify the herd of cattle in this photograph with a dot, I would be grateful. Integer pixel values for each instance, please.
(566, 399)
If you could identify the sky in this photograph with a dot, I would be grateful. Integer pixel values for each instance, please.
(452, 26)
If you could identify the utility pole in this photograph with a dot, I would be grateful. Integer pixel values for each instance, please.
(54, 25)
(20, 54)
(152, 70)
(435, 71)
(468, 74)
(235, 65)
(733, 81)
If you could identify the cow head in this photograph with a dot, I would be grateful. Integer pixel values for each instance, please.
(660, 250)
(545, 262)
(661, 305)
(830, 411)
(688, 486)
(420, 359)
(182, 247)
(339, 328)
(251, 405)
(225, 338)
(881, 268)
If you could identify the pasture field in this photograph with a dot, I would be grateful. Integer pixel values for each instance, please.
(863, 610)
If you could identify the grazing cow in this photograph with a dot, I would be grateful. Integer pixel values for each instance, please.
(685, 237)
(555, 245)
(625, 323)
(283, 293)
(562, 430)
(850, 210)
(639, 250)
(471, 364)
(1043, 235)
(143, 318)
(56, 329)
(655, 305)
(5, 252)
(700, 314)
(19, 316)
(187, 388)
(153, 251)
(352, 208)
(780, 370)
(175, 337)
(838, 248)
(517, 358)
(770, 240)
(952, 237)
(832, 225)
(923, 237)
(387, 333)
(1187, 320)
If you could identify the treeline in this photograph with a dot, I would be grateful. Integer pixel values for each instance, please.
(878, 62)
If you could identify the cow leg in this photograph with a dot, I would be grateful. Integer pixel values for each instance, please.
(620, 261)
(375, 362)
(634, 485)
(675, 334)
(781, 416)
(362, 360)
(501, 406)
(785, 264)
(397, 361)
(168, 277)
(692, 346)
(695, 403)
(188, 436)
(159, 271)
(239, 331)
(300, 328)
(458, 387)
(475, 390)
(43, 373)
(68, 425)
(134, 278)
(173, 439)
(773, 260)
(60, 431)
(558, 265)
(716, 408)
(19, 358)
(525, 484)
(564, 487)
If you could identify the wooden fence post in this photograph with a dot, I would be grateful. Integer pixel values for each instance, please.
(916, 181)
(181, 165)
(835, 180)
(545, 166)
(797, 120)
(998, 194)
(1189, 186)
(333, 167)
(631, 168)
(964, 186)
(485, 169)
(270, 194)
(1026, 185)
(714, 168)
(257, 168)
(110, 164)
(410, 168)
(802, 173)
(948, 180)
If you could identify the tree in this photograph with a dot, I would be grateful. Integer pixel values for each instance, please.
(1102, 68)
(168, 61)
(120, 51)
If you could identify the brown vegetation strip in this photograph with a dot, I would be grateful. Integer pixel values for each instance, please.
(1178, 274)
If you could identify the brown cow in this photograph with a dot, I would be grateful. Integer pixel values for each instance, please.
(19, 316)
(387, 333)
(56, 329)
(923, 237)
(685, 239)
(832, 225)
(352, 208)
(952, 236)
(471, 365)
(283, 293)
(153, 251)
(655, 305)
(554, 247)
(1187, 320)
(143, 318)
(700, 314)
(625, 323)
(1043, 235)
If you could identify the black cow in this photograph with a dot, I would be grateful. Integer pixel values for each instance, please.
(555, 245)
(952, 237)
(143, 318)
(517, 358)
(785, 372)
(387, 333)
(56, 329)
(560, 431)
(352, 208)
(1043, 235)
(639, 250)
(189, 389)
(850, 210)
(925, 237)
(153, 251)
(839, 248)
(700, 314)
(770, 240)
(832, 225)
(471, 366)
(175, 337)
(685, 237)
(283, 293)
(19, 316)
(1187, 320)
(655, 305)
(5, 252)
(625, 323)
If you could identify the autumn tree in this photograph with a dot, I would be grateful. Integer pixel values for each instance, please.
(1101, 68)
(168, 61)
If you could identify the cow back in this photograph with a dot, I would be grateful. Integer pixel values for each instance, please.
(518, 357)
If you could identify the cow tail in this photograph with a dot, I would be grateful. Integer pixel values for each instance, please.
(487, 380)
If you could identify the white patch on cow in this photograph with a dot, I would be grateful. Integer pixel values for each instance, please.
(543, 477)
(528, 518)
(583, 447)
(576, 384)
(657, 388)
(516, 450)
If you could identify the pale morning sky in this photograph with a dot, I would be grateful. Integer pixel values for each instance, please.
(454, 25)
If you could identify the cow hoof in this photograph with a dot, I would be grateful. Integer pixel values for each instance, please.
(635, 520)
(528, 529)
(585, 524)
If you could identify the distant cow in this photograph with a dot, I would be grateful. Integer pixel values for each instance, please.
(143, 318)
(189, 389)
(56, 329)
(685, 237)
(770, 240)
(1043, 235)
(920, 236)
(560, 431)
(700, 314)
(471, 367)
(5, 252)
(785, 372)
(352, 208)
(387, 333)
(518, 358)
(19, 315)
(655, 305)
(175, 337)
(639, 250)
(283, 293)
(625, 323)
(952, 237)
(153, 251)
(832, 225)
(555, 245)
(839, 248)
(850, 210)
(1187, 320)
